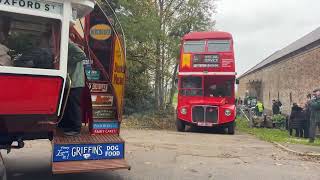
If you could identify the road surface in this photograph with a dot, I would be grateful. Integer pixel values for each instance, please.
(169, 155)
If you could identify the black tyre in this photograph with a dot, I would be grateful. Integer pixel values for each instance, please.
(231, 128)
(180, 125)
(3, 175)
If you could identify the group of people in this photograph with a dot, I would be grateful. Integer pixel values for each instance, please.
(252, 103)
(276, 107)
(305, 120)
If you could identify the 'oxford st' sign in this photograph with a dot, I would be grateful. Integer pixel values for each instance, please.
(44, 6)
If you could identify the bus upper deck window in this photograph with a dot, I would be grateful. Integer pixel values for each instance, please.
(33, 42)
(194, 46)
(219, 46)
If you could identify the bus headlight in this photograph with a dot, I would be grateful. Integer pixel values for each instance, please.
(184, 111)
(227, 112)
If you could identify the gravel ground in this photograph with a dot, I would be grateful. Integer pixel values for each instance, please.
(169, 155)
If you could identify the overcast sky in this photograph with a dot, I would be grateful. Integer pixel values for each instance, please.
(261, 27)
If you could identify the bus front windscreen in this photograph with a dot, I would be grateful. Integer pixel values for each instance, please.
(218, 86)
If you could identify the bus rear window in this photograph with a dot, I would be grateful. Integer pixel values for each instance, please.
(29, 41)
(219, 46)
(194, 46)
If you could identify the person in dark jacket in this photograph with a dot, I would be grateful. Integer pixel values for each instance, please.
(297, 120)
(72, 119)
(307, 113)
(315, 115)
(276, 107)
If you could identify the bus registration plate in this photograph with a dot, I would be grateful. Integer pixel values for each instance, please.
(205, 124)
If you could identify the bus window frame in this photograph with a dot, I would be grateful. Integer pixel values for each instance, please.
(58, 26)
(180, 86)
(64, 20)
(230, 46)
(205, 46)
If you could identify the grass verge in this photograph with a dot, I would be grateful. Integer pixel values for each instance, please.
(272, 135)
(149, 121)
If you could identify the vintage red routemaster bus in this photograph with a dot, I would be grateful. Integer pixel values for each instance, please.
(207, 75)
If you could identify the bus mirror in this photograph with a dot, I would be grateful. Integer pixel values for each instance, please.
(237, 81)
(176, 81)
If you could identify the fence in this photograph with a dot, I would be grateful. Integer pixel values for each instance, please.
(247, 113)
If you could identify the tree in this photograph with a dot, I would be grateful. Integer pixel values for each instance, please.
(176, 18)
(153, 30)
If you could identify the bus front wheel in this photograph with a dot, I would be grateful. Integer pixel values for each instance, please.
(180, 125)
(231, 128)
(3, 175)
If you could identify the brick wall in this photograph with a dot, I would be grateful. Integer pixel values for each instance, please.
(291, 78)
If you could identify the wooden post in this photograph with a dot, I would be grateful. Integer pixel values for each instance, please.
(250, 118)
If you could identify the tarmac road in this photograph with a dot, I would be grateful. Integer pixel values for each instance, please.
(168, 155)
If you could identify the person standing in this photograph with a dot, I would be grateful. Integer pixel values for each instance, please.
(275, 107)
(72, 119)
(307, 114)
(259, 108)
(297, 120)
(314, 115)
(5, 59)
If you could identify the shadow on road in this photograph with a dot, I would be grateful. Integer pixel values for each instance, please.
(206, 130)
(45, 174)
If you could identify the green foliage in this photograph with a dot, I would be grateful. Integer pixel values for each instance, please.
(279, 118)
(195, 15)
(139, 95)
(272, 135)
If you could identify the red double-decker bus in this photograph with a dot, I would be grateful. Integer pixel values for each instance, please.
(207, 81)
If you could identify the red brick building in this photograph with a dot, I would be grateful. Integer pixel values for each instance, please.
(288, 75)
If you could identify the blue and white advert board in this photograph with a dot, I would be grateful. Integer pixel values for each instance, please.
(82, 152)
